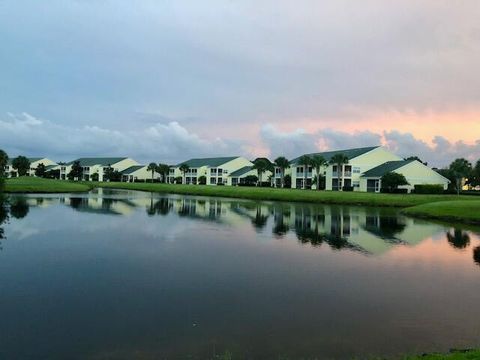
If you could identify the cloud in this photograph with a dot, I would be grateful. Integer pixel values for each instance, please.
(439, 153)
(166, 142)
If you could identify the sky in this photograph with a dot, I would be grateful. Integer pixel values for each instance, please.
(165, 81)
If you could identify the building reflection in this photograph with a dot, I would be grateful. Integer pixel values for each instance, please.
(372, 231)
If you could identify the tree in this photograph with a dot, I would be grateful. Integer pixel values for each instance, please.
(318, 162)
(183, 169)
(287, 181)
(305, 161)
(262, 165)
(339, 160)
(282, 163)
(416, 158)
(112, 175)
(461, 169)
(393, 180)
(40, 170)
(3, 162)
(250, 180)
(95, 176)
(21, 164)
(474, 179)
(76, 171)
(202, 180)
(152, 167)
(163, 170)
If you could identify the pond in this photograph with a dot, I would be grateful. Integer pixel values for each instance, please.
(133, 275)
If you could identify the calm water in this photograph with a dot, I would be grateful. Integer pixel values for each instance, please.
(130, 275)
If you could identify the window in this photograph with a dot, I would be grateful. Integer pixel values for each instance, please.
(225, 171)
(278, 171)
(213, 171)
(356, 170)
(171, 171)
(356, 184)
(220, 171)
(213, 180)
(300, 170)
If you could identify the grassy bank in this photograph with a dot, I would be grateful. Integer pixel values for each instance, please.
(324, 197)
(453, 355)
(27, 184)
(452, 211)
(442, 207)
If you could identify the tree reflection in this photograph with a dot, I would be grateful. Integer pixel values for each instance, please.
(19, 208)
(260, 220)
(280, 227)
(459, 239)
(159, 207)
(476, 255)
(3, 216)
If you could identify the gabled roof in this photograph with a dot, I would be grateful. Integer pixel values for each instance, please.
(50, 167)
(103, 161)
(132, 169)
(31, 159)
(241, 171)
(387, 167)
(209, 162)
(350, 153)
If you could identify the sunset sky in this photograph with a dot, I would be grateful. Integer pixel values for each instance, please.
(168, 80)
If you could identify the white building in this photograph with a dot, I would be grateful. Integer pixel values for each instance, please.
(10, 171)
(215, 170)
(95, 168)
(138, 172)
(359, 172)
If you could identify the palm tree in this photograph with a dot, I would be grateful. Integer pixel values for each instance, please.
(339, 160)
(163, 169)
(305, 161)
(3, 161)
(282, 163)
(318, 162)
(262, 165)
(183, 169)
(152, 167)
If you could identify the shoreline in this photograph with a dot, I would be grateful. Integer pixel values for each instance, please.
(449, 208)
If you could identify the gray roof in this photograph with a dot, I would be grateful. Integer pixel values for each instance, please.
(132, 169)
(241, 171)
(210, 162)
(387, 167)
(104, 161)
(350, 153)
(50, 167)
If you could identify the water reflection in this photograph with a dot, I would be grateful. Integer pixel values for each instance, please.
(459, 239)
(128, 271)
(371, 231)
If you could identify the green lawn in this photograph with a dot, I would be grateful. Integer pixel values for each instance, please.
(325, 197)
(27, 184)
(454, 355)
(460, 210)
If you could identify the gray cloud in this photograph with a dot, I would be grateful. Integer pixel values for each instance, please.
(298, 142)
(168, 142)
(89, 61)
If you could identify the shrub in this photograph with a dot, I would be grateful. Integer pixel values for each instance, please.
(393, 191)
(428, 189)
(202, 180)
(178, 180)
(220, 184)
(347, 188)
